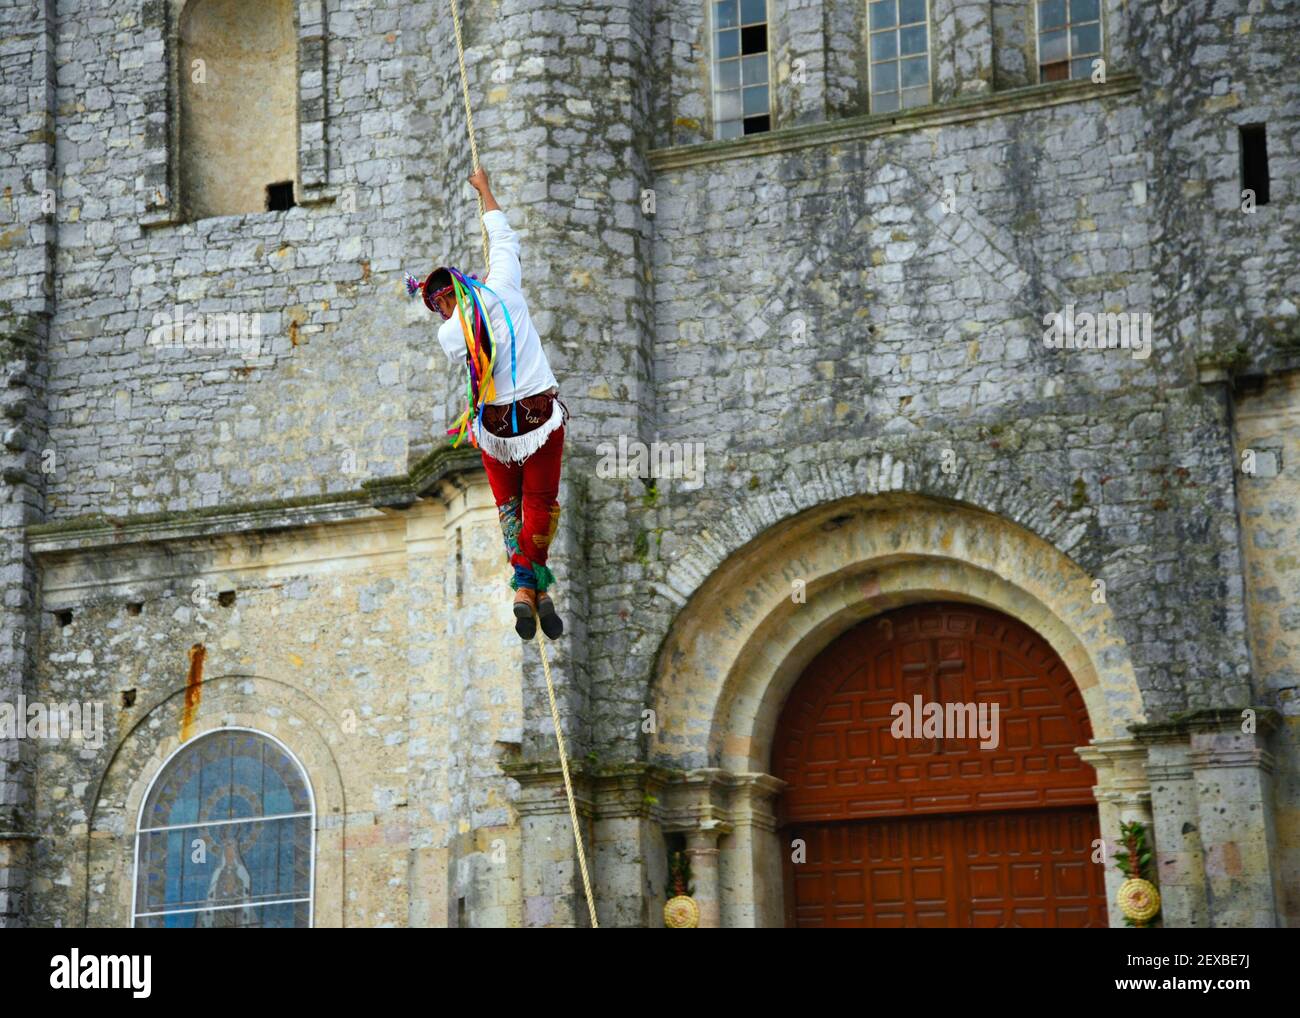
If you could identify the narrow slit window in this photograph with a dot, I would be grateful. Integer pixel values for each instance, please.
(1069, 38)
(741, 99)
(1254, 161)
(899, 49)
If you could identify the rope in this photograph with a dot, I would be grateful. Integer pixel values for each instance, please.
(568, 783)
(541, 645)
(469, 123)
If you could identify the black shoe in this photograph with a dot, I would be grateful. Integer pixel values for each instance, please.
(525, 620)
(552, 624)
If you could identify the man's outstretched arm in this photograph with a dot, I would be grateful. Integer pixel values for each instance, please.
(479, 181)
(503, 261)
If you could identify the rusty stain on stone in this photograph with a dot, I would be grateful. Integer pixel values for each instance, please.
(193, 690)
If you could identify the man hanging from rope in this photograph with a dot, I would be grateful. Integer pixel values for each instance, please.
(513, 414)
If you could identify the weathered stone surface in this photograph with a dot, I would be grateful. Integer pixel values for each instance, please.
(844, 316)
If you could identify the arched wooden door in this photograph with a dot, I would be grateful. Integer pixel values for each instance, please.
(938, 831)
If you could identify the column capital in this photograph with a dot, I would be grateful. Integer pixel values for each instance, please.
(703, 840)
(1126, 799)
(1109, 752)
(709, 798)
(1123, 780)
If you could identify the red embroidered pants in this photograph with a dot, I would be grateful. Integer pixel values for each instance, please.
(525, 494)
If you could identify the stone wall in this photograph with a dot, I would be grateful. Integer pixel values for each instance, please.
(332, 636)
(849, 305)
(910, 329)
(1268, 431)
(333, 378)
(27, 246)
(1227, 277)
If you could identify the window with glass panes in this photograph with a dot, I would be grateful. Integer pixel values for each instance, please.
(740, 86)
(1069, 38)
(226, 837)
(900, 54)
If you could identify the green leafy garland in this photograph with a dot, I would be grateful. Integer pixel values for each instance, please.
(1133, 860)
(680, 872)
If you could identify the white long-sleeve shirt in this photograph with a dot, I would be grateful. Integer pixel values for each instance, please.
(532, 369)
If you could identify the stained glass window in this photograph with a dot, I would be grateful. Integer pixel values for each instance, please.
(226, 837)
(741, 103)
(1069, 38)
(899, 51)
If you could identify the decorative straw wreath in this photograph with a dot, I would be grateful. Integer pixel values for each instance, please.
(681, 912)
(1138, 898)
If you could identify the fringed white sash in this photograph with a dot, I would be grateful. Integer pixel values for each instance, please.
(517, 448)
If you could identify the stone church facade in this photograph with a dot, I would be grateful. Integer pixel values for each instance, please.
(279, 599)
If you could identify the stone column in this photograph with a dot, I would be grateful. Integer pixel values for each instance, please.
(426, 557)
(552, 884)
(1115, 42)
(628, 864)
(961, 48)
(1179, 860)
(1233, 774)
(749, 859)
(729, 824)
(703, 853)
(697, 805)
(465, 707)
(796, 39)
(565, 121)
(847, 71)
(1123, 796)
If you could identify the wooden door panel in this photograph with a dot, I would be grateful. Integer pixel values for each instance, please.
(1030, 869)
(833, 744)
(938, 832)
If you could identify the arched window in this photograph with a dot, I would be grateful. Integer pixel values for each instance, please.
(238, 76)
(226, 837)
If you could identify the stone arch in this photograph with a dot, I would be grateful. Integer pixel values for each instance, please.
(918, 474)
(744, 637)
(761, 601)
(289, 714)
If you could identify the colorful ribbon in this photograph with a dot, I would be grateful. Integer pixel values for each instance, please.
(480, 356)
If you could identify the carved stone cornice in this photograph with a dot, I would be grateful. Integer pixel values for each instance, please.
(847, 130)
(1169, 771)
(1112, 752)
(1124, 798)
(1219, 757)
(705, 800)
(422, 480)
(1217, 719)
(1123, 780)
(542, 789)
